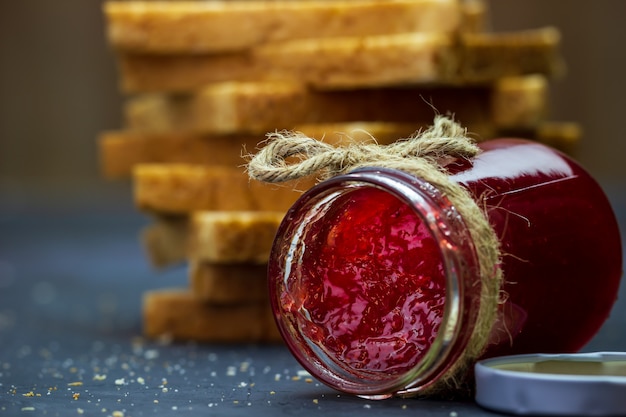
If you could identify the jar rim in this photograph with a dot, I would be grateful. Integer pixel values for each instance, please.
(459, 260)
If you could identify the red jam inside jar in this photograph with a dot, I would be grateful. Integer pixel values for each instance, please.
(373, 275)
(372, 299)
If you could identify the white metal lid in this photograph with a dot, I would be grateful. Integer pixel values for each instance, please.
(585, 384)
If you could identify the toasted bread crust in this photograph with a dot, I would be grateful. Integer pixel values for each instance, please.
(216, 237)
(183, 188)
(332, 63)
(165, 240)
(122, 150)
(228, 283)
(233, 237)
(356, 62)
(260, 107)
(226, 26)
(180, 315)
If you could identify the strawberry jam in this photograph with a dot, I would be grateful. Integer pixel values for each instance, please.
(373, 275)
(373, 299)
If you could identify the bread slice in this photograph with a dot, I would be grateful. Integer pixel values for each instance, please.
(331, 63)
(233, 237)
(228, 284)
(564, 136)
(228, 107)
(165, 240)
(120, 151)
(264, 106)
(259, 107)
(490, 56)
(519, 102)
(217, 237)
(179, 315)
(474, 16)
(183, 188)
(354, 62)
(226, 26)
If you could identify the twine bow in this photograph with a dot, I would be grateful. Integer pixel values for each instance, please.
(424, 150)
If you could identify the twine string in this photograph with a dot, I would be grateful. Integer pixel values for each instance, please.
(444, 139)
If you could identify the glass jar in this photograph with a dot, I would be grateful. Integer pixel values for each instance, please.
(374, 280)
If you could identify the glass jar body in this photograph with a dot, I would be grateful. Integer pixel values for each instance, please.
(354, 245)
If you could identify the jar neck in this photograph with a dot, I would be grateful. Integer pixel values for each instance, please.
(458, 257)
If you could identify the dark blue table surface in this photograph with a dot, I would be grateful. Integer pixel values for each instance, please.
(71, 281)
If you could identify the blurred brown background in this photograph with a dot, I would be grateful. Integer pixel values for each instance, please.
(58, 89)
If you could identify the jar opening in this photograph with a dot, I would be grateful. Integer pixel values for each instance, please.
(362, 286)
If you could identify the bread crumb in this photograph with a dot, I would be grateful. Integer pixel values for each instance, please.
(151, 354)
(76, 396)
(29, 394)
(75, 384)
(118, 413)
(28, 408)
(120, 381)
(316, 401)
(99, 377)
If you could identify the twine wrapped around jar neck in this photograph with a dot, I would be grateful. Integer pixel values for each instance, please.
(421, 156)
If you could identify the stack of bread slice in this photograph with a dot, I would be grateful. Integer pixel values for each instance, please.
(206, 80)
